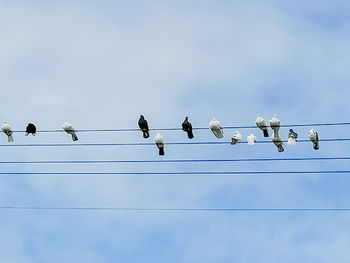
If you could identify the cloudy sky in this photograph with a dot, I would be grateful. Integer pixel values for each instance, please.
(100, 64)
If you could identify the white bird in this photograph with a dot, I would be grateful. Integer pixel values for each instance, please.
(216, 128)
(68, 128)
(292, 137)
(275, 125)
(313, 136)
(236, 138)
(251, 139)
(160, 143)
(6, 128)
(262, 125)
(278, 142)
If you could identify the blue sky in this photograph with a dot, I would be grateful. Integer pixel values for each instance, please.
(100, 64)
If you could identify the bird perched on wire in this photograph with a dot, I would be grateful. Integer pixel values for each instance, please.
(187, 127)
(6, 128)
(236, 138)
(313, 136)
(275, 124)
(278, 142)
(251, 139)
(68, 128)
(143, 124)
(31, 129)
(262, 125)
(216, 128)
(160, 143)
(292, 137)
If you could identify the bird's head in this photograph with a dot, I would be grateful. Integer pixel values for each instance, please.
(186, 119)
(142, 117)
(291, 130)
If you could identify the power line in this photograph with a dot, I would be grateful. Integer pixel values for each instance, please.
(180, 173)
(177, 160)
(195, 128)
(152, 143)
(152, 209)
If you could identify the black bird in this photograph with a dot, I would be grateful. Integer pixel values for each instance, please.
(144, 127)
(30, 129)
(187, 127)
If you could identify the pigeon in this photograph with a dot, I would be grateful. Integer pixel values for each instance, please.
(30, 129)
(262, 125)
(236, 138)
(68, 128)
(216, 128)
(278, 142)
(251, 139)
(160, 143)
(187, 127)
(313, 135)
(275, 125)
(6, 128)
(292, 137)
(143, 124)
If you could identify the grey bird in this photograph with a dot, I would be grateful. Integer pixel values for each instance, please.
(278, 142)
(160, 143)
(251, 139)
(6, 128)
(292, 137)
(68, 128)
(236, 138)
(216, 128)
(262, 125)
(187, 127)
(313, 136)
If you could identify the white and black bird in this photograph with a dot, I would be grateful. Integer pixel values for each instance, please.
(31, 129)
(68, 128)
(278, 142)
(262, 125)
(160, 143)
(216, 128)
(6, 128)
(187, 127)
(251, 139)
(292, 137)
(313, 136)
(275, 125)
(236, 138)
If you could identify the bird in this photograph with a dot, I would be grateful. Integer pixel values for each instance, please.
(313, 136)
(292, 137)
(251, 139)
(187, 127)
(216, 128)
(262, 125)
(143, 124)
(275, 125)
(236, 138)
(6, 128)
(30, 129)
(68, 128)
(278, 142)
(160, 143)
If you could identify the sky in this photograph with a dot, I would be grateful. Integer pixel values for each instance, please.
(100, 64)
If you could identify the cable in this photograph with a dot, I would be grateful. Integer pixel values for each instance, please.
(195, 128)
(177, 160)
(151, 143)
(180, 173)
(149, 209)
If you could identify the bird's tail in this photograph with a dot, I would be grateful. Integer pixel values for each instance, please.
(145, 134)
(74, 137)
(190, 134)
(233, 142)
(316, 146)
(280, 148)
(266, 133)
(10, 138)
(161, 150)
